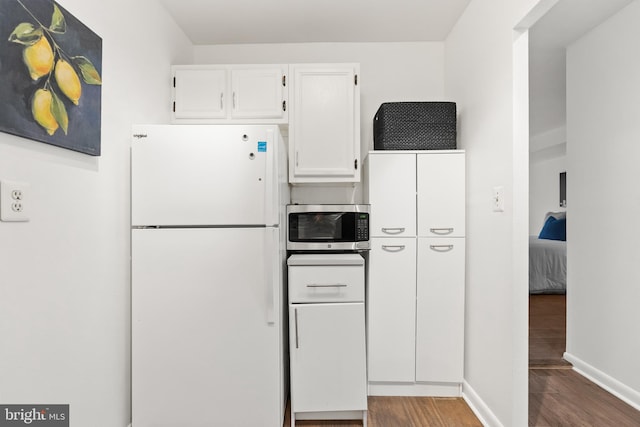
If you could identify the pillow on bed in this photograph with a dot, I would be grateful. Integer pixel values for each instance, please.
(554, 229)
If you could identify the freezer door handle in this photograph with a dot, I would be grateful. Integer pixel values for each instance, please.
(270, 184)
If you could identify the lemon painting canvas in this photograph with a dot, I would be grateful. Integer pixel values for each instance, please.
(50, 76)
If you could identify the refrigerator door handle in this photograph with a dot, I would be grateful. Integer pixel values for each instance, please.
(271, 254)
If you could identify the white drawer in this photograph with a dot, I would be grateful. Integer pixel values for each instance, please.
(316, 283)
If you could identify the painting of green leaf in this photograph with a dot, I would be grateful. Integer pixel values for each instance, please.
(50, 76)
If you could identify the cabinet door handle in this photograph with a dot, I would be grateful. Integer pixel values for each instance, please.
(441, 231)
(441, 248)
(396, 230)
(295, 315)
(222, 100)
(337, 285)
(393, 248)
(233, 99)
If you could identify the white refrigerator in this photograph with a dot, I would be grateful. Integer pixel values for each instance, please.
(207, 267)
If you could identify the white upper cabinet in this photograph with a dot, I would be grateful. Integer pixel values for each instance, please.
(441, 194)
(392, 194)
(199, 92)
(258, 93)
(254, 94)
(324, 125)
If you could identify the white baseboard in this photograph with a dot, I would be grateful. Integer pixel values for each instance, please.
(613, 386)
(477, 405)
(415, 389)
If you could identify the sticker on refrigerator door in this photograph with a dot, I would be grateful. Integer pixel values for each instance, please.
(262, 146)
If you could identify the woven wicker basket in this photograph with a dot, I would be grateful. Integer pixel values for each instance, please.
(415, 126)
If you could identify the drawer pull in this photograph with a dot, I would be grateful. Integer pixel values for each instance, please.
(337, 285)
(441, 248)
(393, 248)
(441, 231)
(396, 230)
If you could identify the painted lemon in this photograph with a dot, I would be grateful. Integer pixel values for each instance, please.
(39, 58)
(41, 110)
(68, 80)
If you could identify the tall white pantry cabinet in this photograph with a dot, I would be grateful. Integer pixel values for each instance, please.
(415, 298)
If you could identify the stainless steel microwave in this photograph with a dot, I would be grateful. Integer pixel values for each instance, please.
(328, 227)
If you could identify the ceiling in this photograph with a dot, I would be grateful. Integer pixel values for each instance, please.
(208, 22)
(565, 23)
(309, 21)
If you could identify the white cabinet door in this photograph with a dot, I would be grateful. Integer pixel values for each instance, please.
(392, 194)
(440, 310)
(324, 128)
(258, 92)
(391, 304)
(199, 92)
(441, 194)
(328, 370)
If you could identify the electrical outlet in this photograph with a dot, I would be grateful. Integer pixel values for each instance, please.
(498, 199)
(14, 201)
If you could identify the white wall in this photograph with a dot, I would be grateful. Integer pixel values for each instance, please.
(548, 157)
(64, 290)
(603, 83)
(389, 72)
(544, 188)
(479, 75)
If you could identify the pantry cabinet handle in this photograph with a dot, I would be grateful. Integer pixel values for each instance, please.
(295, 315)
(441, 248)
(396, 230)
(222, 100)
(234, 100)
(441, 231)
(337, 285)
(393, 248)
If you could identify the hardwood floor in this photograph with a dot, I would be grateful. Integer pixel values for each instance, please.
(406, 412)
(562, 397)
(559, 396)
(547, 331)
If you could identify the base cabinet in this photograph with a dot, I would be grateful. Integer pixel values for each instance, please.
(327, 369)
(327, 337)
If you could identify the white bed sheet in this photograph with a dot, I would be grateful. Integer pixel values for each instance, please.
(547, 266)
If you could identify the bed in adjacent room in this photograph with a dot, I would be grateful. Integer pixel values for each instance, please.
(548, 257)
